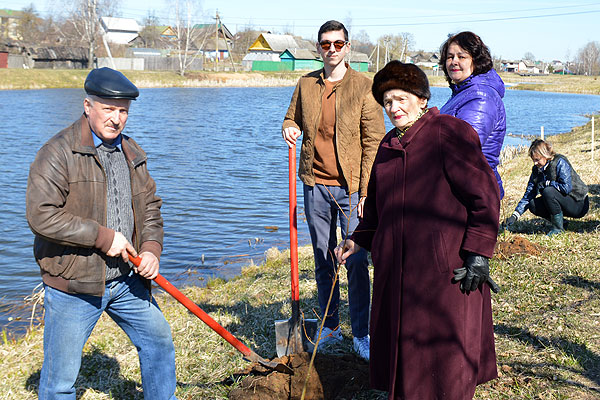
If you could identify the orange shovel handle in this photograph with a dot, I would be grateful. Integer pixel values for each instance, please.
(293, 225)
(193, 307)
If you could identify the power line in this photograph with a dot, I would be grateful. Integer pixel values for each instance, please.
(428, 16)
(455, 22)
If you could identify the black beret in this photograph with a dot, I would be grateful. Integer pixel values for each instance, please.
(110, 84)
(397, 75)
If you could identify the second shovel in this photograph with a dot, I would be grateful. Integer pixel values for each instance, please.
(295, 334)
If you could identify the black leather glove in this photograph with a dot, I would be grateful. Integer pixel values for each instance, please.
(474, 272)
(510, 221)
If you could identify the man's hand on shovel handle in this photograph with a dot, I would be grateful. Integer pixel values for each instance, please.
(121, 247)
(345, 249)
(149, 265)
(290, 134)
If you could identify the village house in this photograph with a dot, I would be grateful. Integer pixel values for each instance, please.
(212, 42)
(358, 61)
(9, 22)
(267, 48)
(55, 57)
(271, 52)
(513, 66)
(120, 30)
(424, 59)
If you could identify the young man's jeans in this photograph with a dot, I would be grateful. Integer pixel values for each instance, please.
(70, 318)
(322, 211)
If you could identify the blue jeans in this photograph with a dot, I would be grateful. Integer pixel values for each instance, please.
(321, 214)
(70, 319)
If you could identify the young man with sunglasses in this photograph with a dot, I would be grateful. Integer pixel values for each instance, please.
(342, 125)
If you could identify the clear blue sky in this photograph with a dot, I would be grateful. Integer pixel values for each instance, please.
(549, 29)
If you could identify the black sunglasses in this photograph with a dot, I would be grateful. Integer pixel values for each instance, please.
(338, 44)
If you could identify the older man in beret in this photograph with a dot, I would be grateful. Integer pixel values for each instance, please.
(90, 202)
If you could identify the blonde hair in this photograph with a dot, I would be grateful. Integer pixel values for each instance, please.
(542, 148)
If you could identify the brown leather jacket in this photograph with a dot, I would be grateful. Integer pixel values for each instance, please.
(359, 125)
(66, 209)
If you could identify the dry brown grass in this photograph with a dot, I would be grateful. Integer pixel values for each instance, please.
(547, 315)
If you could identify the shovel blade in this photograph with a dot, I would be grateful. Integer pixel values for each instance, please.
(293, 336)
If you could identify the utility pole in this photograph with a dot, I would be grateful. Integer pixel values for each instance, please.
(217, 41)
(229, 52)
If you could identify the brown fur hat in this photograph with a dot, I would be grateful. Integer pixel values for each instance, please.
(397, 75)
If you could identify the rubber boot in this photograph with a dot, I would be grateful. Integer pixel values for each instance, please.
(557, 224)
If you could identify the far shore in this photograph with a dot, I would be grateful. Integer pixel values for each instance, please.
(21, 79)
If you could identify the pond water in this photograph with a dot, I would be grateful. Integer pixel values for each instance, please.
(220, 166)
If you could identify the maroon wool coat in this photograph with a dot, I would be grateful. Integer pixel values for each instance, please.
(431, 198)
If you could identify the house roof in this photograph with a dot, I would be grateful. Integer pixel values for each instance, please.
(301, 54)
(120, 24)
(57, 53)
(424, 56)
(167, 31)
(6, 13)
(254, 56)
(356, 56)
(211, 27)
(275, 43)
(306, 44)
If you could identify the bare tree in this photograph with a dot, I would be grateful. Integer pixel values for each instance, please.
(84, 19)
(150, 33)
(362, 43)
(395, 47)
(529, 56)
(243, 39)
(589, 58)
(348, 23)
(496, 62)
(28, 27)
(187, 33)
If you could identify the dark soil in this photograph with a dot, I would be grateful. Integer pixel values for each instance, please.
(517, 245)
(332, 377)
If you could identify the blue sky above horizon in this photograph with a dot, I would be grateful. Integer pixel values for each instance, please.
(549, 29)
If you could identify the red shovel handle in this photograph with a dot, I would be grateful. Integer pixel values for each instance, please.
(293, 225)
(193, 307)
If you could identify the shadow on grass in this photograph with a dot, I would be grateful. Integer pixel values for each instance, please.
(100, 373)
(587, 359)
(541, 225)
(582, 283)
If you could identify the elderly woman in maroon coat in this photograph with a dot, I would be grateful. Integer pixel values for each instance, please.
(430, 222)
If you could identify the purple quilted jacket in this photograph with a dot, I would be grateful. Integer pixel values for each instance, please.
(478, 100)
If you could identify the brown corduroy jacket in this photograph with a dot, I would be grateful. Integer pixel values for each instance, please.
(66, 209)
(359, 125)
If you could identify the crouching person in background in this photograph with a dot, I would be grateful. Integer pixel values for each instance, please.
(554, 190)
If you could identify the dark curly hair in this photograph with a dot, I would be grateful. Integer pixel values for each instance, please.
(472, 44)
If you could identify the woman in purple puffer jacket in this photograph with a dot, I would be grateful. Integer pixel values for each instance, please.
(477, 93)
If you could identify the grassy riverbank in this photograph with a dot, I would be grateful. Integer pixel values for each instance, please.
(16, 79)
(546, 317)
